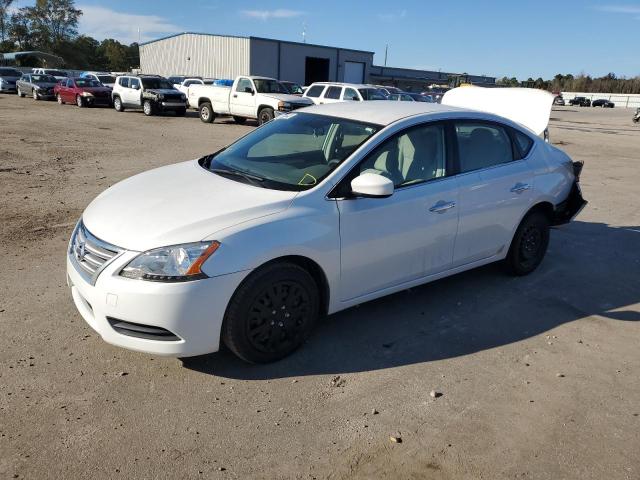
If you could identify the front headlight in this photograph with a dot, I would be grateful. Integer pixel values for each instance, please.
(36, 87)
(178, 263)
(87, 94)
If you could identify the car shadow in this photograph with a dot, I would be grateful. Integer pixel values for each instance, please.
(591, 269)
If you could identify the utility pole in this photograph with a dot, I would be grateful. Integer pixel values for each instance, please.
(386, 52)
(304, 32)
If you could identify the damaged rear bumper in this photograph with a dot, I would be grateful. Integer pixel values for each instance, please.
(573, 205)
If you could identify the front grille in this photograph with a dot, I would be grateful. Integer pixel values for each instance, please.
(90, 253)
(142, 331)
(172, 98)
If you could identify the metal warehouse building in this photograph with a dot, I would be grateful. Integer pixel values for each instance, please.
(218, 56)
(223, 56)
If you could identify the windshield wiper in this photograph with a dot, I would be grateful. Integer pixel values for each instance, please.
(238, 173)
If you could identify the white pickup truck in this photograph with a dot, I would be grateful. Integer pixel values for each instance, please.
(249, 97)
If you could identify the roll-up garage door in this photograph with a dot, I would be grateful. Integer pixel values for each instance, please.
(354, 72)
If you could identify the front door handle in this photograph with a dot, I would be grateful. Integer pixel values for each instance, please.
(235, 96)
(442, 206)
(520, 187)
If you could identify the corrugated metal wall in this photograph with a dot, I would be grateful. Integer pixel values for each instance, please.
(211, 56)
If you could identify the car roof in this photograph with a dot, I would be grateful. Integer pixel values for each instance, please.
(342, 84)
(379, 112)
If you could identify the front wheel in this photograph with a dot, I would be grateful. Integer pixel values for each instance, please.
(265, 115)
(147, 108)
(207, 114)
(79, 101)
(529, 244)
(272, 313)
(34, 93)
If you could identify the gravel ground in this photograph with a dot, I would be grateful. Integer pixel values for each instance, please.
(477, 376)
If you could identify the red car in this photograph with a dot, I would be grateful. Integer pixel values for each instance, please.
(83, 92)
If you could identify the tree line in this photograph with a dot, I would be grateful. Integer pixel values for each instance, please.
(52, 26)
(609, 83)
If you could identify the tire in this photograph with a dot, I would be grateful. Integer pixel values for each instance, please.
(117, 104)
(529, 244)
(148, 108)
(207, 115)
(80, 102)
(265, 115)
(181, 112)
(271, 313)
(34, 94)
(20, 94)
(59, 99)
(239, 120)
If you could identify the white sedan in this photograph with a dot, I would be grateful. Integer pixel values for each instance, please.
(314, 212)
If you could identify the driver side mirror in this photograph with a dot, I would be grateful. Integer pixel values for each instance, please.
(371, 185)
(248, 90)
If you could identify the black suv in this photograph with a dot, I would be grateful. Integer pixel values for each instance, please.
(580, 101)
(152, 93)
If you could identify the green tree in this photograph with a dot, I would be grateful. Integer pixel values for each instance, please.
(4, 17)
(116, 54)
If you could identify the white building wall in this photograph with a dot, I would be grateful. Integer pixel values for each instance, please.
(622, 100)
(202, 55)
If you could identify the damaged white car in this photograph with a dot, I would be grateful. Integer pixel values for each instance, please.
(314, 212)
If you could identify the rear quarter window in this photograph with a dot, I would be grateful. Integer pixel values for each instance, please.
(315, 91)
(524, 143)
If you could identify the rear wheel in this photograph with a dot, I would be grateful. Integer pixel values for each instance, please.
(529, 244)
(265, 115)
(20, 94)
(239, 120)
(117, 104)
(147, 108)
(272, 313)
(206, 113)
(59, 98)
(34, 94)
(79, 101)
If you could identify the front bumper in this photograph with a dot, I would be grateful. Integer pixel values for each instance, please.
(173, 105)
(191, 311)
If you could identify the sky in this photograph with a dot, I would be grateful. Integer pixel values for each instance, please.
(496, 38)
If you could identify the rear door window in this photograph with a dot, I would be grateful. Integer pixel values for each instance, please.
(482, 145)
(333, 93)
(523, 142)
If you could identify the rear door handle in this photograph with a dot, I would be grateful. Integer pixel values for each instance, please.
(520, 187)
(442, 206)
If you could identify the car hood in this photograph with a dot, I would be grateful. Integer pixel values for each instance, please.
(179, 203)
(164, 91)
(529, 107)
(285, 97)
(45, 84)
(95, 89)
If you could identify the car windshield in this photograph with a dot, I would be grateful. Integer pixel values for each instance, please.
(372, 94)
(156, 83)
(10, 72)
(269, 86)
(56, 73)
(421, 98)
(107, 78)
(293, 152)
(87, 82)
(43, 79)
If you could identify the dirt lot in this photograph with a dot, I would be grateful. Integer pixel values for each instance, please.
(538, 375)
